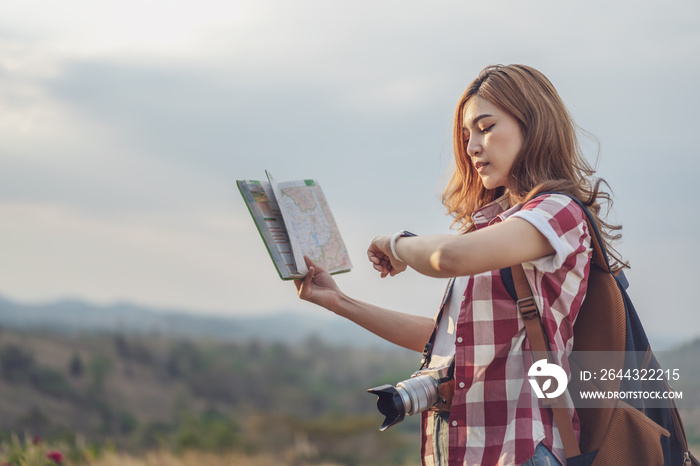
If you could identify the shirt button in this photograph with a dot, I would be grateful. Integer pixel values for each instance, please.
(459, 339)
(461, 385)
(454, 423)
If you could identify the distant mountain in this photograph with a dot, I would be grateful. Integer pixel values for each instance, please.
(76, 316)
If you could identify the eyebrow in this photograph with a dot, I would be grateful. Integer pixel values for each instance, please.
(477, 119)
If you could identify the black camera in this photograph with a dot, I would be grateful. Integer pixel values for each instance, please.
(411, 396)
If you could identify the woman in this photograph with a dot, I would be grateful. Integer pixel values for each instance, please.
(513, 139)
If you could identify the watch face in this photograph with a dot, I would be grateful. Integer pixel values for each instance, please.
(407, 233)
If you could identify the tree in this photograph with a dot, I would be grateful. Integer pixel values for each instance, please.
(15, 363)
(76, 368)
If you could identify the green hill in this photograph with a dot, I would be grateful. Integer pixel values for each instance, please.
(144, 392)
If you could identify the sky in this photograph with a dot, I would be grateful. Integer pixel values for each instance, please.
(124, 125)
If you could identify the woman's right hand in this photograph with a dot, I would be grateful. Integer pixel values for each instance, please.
(318, 286)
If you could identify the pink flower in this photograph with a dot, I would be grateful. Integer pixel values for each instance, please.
(36, 440)
(55, 456)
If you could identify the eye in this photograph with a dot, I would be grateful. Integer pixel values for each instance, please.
(488, 128)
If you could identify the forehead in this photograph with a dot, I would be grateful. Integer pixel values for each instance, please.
(476, 107)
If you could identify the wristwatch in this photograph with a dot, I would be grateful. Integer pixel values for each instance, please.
(396, 236)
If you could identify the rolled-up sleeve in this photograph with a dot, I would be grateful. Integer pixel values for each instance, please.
(562, 222)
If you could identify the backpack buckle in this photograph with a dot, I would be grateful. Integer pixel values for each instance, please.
(527, 308)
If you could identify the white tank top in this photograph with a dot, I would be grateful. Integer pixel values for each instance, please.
(444, 345)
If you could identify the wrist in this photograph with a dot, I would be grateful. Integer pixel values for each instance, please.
(394, 240)
(342, 304)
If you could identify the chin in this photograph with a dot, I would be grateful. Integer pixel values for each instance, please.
(490, 183)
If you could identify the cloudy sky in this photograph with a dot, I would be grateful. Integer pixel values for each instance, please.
(124, 125)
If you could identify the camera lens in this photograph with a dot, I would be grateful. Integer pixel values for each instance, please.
(390, 404)
(418, 393)
(411, 396)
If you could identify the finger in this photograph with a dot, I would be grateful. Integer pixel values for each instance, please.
(381, 268)
(374, 253)
(307, 260)
(301, 288)
(311, 264)
(305, 284)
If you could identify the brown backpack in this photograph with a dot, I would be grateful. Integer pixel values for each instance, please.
(613, 432)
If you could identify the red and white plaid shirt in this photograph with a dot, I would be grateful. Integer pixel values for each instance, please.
(495, 418)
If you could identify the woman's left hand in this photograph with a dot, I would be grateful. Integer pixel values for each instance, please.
(379, 254)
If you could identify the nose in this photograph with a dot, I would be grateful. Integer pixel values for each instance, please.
(473, 147)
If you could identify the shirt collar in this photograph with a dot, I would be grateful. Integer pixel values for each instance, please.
(494, 212)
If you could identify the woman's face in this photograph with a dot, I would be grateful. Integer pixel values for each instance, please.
(492, 140)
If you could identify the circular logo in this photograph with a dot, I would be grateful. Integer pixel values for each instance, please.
(542, 369)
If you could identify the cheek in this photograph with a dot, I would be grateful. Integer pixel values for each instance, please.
(506, 150)
(512, 149)
(515, 150)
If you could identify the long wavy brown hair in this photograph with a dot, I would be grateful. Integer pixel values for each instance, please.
(550, 158)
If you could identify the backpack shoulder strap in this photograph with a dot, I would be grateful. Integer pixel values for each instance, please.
(538, 343)
(527, 306)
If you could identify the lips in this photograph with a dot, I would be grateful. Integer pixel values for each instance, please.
(480, 166)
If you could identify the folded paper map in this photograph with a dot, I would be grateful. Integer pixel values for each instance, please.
(294, 220)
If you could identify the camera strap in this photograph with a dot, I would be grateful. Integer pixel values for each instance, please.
(428, 350)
